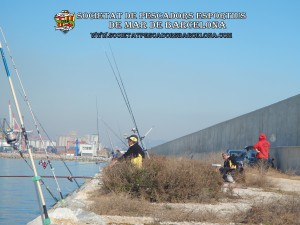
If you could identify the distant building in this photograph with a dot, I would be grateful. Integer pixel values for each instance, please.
(87, 150)
(71, 152)
(91, 139)
(88, 144)
(62, 140)
(37, 143)
(4, 146)
(61, 150)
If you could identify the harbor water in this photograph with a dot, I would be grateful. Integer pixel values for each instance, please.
(18, 198)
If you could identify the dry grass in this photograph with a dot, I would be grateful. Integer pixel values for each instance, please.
(120, 205)
(165, 179)
(146, 192)
(128, 191)
(283, 211)
(254, 177)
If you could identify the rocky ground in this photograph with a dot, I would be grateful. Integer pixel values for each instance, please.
(74, 210)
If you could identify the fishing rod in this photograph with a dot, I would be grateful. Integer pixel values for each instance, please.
(124, 94)
(146, 135)
(36, 120)
(36, 178)
(98, 147)
(14, 145)
(32, 115)
(121, 87)
(124, 90)
(128, 104)
(68, 177)
(10, 116)
(147, 132)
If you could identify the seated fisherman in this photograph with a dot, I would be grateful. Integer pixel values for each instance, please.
(135, 153)
(230, 164)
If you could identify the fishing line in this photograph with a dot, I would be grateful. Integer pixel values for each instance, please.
(43, 183)
(111, 144)
(58, 155)
(107, 126)
(52, 144)
(31, 112)
(113, 132)
(36, 178)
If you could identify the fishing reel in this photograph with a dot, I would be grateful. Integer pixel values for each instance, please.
(11, 138)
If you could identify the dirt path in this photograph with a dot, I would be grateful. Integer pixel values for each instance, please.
(288, 185)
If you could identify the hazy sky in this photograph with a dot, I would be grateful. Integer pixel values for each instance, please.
(176, 86)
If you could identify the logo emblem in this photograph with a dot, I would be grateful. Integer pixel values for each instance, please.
(65, 21)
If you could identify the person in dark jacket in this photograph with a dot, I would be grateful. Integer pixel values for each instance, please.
(230, 164)
(135, 153)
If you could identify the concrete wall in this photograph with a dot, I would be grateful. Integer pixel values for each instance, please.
(279, 121)
(287, 159)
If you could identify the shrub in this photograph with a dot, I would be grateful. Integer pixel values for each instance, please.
(165, 179)
(255, 178)
(282, 211)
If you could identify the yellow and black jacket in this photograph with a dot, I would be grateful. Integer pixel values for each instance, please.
(230, 163)
(136, 154)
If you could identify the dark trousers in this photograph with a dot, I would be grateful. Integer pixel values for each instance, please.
(262, 164)
(225, 171)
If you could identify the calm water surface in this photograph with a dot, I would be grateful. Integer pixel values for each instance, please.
(18, 201)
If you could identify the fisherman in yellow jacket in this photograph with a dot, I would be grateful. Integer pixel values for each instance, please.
(230, 164)
(135, 153)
